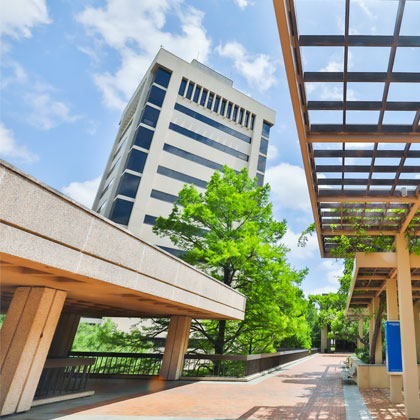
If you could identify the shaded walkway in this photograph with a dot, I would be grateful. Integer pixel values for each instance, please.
(306, 390)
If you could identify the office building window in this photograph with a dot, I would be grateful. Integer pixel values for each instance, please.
(102, 208)
(264, 146)
(121, 211)
(114, 165)
(197, 94)
(143, 137)
(223, 107)
(182, 87)
(150, 220)
(128, 185)
(189, 90)
(107, 188)
(136, 160)
(192, 157)
(162, 77)
(260, 180)
(181, 177)
(150, 116)
(203, 97)
(235, 113)
(246, 119)
(216, 104)
(266, 129)
(252, 121)
(162, 196)
(261, 163)
(120, 147)
(156, 96)
(241, 116)
(229, 110)
(210, 101)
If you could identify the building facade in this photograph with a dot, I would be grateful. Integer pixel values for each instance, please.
(183, 122)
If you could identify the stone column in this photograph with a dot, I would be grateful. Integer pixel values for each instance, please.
(64, 335)
(378, 347)
(371, 323)
(175, 348)
(395, 381)
(417, 328)
(408, 340)
(324, 339)
(24, 342)
(359, 343)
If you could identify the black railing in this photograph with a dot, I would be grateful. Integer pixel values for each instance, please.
(63, 376)
(122, 364)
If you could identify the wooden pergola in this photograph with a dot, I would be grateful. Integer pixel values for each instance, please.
(363, 179)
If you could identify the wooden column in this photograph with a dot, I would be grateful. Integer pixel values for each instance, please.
(359, 343)
(324, 339)
(378, 346)
(417, 328)
(408, 340)
(24, 342)
(175, 348)
(64, 335)
(395, 381)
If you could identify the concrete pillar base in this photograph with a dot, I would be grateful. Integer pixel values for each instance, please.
(24, 342)
(176, 347)
(395, 388)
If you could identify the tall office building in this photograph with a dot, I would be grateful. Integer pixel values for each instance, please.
(183, 122)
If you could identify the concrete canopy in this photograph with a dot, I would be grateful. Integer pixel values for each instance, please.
(48, 240)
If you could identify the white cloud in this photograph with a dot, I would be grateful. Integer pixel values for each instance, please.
(290, 239)
(138, 36)
(272, 153)
(17, 18)
(257, 69)
(332, 270)
(242, 4)
(83, 192)
(10, 149)
(12, 72)
(288, 187)
(47, 112)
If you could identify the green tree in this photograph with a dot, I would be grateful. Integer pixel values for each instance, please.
(230, 233)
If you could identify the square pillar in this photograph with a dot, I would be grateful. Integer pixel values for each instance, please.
(378, 346)
(359, 343)
(324, 339)
(371, 323)
(417, 328)
(408, 340)
(64, 335)
(24, 342)
(175, 348)
(395, 381)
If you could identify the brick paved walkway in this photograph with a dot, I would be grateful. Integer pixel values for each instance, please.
(311, 389)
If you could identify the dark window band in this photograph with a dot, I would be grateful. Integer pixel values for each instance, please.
(149, 220)
(181, 177)
(121, 211)
(208, 142)
(212, 123)
(162, 196)
(190, 156)
(173, 251)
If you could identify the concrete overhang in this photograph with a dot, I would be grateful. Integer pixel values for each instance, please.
(46, 239)
(370, 273)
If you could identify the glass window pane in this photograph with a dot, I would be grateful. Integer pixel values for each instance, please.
(210, 101)
(235, 113)
(156, 96)
(223, 107)
(203, 97)
(190, 90)
(197, 94)
(246, 119)
(252, 121)
(162, 77)
(229, 110)
(121, 211)
(136, 160)
(264, 146)
(216, 104)
(150, 116)
(182, 87)
(143, 137)
(241, 116)
(128, 185)
(261, 163)
(266, 129)
(260, 180)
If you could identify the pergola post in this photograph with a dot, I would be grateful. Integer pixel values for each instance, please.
(395, 381)
(324, 339)
(417, 328)
(408, 341)
(378, 345)
(24, 341)
(359, 343)
(175, 348)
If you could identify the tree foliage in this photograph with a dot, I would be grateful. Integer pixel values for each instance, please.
(230, 233)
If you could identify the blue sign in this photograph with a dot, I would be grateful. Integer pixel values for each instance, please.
(393, 347)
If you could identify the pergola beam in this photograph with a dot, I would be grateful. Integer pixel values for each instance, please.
(357, 41)
(363, 138)
(363, 105)
(362, 76)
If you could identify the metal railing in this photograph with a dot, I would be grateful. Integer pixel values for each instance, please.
(63, 376)
(122, 364)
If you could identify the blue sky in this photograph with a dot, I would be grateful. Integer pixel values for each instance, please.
(68, 68)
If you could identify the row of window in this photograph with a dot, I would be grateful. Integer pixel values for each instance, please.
(170, 173)
(212, 123)
(209, 142)
(216, 103)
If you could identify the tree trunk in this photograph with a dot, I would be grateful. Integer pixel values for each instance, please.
(220, 340)
(378, 325)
